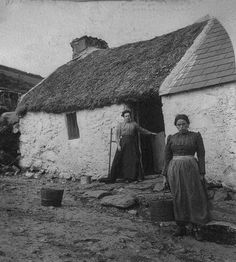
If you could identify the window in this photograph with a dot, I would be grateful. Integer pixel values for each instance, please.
(72, 126)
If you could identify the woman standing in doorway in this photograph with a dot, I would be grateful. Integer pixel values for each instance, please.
(127, 162)
(185, 176)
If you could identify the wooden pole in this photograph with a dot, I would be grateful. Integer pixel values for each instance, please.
(139, 141)
(109, 165)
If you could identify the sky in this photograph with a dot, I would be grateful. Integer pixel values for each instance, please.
(35, 35)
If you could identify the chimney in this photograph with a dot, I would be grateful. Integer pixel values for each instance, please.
(88, 43)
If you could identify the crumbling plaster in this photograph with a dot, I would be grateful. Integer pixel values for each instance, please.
(44, 142)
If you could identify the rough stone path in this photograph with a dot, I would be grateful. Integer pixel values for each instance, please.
(83, 230)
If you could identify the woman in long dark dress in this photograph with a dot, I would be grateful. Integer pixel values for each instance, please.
(127, 162)
(185, 176)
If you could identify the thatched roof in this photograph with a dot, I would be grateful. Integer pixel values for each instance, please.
(130, 72)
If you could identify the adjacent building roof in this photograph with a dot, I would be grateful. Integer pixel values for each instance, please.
(17, 81)
(210, 61)
(128, 73)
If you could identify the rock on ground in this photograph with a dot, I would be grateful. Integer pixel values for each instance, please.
(121, 201)
(96, 193)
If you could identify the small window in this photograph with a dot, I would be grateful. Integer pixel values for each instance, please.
(72, 126)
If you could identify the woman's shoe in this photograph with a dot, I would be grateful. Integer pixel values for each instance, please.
(109, 181)
(130, 180)
(180, 231)
(198, 235)
(140, 180)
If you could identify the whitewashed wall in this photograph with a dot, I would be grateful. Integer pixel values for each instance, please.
(212, 111)
(45, 145)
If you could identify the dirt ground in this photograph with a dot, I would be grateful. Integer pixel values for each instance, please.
(86, 231)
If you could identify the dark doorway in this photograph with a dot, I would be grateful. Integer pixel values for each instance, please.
(149, 115)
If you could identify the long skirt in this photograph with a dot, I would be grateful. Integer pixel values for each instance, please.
(127, 162)
(188, 191)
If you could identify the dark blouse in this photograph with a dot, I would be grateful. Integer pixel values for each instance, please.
(130, 128)
(182, 144)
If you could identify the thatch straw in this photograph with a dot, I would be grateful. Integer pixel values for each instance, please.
(112, 76)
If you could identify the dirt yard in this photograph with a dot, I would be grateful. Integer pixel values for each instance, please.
(86, 231)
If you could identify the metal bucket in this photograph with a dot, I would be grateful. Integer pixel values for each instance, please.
(161, 210)
(51, 197)
(84, 180)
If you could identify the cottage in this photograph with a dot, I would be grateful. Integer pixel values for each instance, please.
(67, 118)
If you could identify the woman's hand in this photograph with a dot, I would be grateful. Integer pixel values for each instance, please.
(118, 147)
(202, 177)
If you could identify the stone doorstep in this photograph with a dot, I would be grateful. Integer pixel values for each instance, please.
(120, 201)
(140, 186)
(96, 194)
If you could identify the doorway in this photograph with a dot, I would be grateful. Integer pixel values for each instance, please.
(148, 114)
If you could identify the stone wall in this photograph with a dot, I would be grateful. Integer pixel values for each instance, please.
(44, 142)
(212, 111)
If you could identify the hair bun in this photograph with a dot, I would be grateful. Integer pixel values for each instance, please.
(125, 111)
(183, 117)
